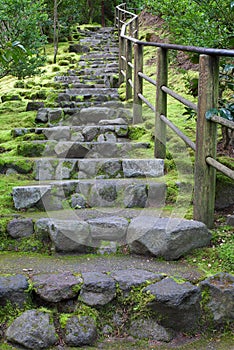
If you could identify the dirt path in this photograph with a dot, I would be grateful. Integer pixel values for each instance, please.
(14, 263)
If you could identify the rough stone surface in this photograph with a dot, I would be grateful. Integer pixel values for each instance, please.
(28, 196)
(80, 331)
(13, 289)
(177, 305)
(71, 150)
(127, 279)
(224, 194)
(32, 330)
(56, 287)
(90, 132)
(70, 236)
(18, 228)
(116, 121)
(77, 48)
(55, 114)
(78, 201)
(65, 169)
(42, 115)
(220, 294)
(135, 196)
(34, 106)
(108, 228)
(44, 170)
(230, 220)
(166, 237)
(98, 289)
(103, 194)
(143, 167)
(150, 329)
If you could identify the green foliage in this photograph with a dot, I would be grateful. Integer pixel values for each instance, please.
(68, 12)
(208, 23)
(21, 39)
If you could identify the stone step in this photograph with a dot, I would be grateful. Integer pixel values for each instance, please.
(53, 169)
(80, 133)
(143, 234)
(92, 91)
(69, 149)
(108, 114)
(99, 56)
(91, 193)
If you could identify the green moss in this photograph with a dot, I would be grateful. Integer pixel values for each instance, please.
(28, 149)
(63, 318)
(136, 132)
(85, 310)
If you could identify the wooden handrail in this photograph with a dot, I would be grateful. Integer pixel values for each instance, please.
(206, 135)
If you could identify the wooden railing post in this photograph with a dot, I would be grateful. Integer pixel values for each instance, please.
(119, 21)
(121, 61)
(138, 83)
(161, 104)
(206, 141)
(136, 28)
(128, 69)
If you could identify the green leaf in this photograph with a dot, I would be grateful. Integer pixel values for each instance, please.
(211, 112)
(225, 113)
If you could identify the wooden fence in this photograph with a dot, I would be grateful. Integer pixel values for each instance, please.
(131, 58)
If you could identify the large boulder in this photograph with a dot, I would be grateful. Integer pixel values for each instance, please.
(130, 278)
(108, 228)
(98, 289)
(32, 330)
(80, 331)
(18, 228)
(70, 236)
(169, 238)
(28, 196)
(176, 305)
(56, 287)
(149, 329)
(219, 294)
(13, 289)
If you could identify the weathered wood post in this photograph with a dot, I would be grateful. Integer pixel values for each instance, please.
(119, 14)
(136, 27)
(138, 83)
(121, 61)
(206, 141)
(128, 69)
(161, 104)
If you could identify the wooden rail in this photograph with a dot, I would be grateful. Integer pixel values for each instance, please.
(131, 58)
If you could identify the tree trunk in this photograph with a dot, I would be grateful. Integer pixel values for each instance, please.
(56, 30)
(103, 14)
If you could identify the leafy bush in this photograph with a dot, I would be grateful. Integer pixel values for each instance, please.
(208, 23)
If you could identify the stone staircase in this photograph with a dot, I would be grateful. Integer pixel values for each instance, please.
(91, 194)
(94, 193)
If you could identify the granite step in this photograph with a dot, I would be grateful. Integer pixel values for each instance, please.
(60, 169)
(111, 112)
(82, 133)
(91, 193)
(69, 149)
